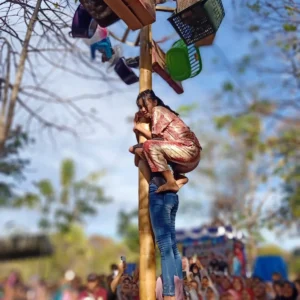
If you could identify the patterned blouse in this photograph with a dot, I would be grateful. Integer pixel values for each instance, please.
(170, 127)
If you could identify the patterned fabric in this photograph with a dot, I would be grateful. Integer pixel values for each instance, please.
(170, 127)
(180, 146)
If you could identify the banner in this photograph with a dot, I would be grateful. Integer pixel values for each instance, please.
(221, 247)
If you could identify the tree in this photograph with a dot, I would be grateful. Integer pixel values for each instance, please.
(75, 199)
(260, 103)
(34, 41)
(12, 165)
(128, 229)
(73, 250)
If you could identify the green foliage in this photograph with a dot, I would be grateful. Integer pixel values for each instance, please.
(128, 229)
(247, 127)
(263, 107)
(185, 110)
(12, 166)
(131, 238)
(254, 28)
(255, 7)
(221, 122)
(228, 86)
(294, 266)
(270, 249)
(289, 27)
(290, 207)
(73, 250)
(71, 204)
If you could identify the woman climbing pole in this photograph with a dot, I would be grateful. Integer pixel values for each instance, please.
(170, 141)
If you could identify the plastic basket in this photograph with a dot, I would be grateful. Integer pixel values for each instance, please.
(125, 73)
(100, 12)
(159, 66)
(83, 26)
(198, 21)
(183, 62)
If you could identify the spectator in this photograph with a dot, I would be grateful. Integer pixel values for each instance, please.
(93, 289)
(114, 270)
(194, 285)
(223, 267)
(232, 295)
(297, 285)
(248, 282)
(191, 261)
(247, 294)
(185, 268)
(276, 276)
(277, 289)
(289, 291)
(238, 285)
(211, 294)
(226, 284)
(260, 291)
(237, 262)
(196, 273)
(135, 291)
(213, 264)
(179, 289)
(225, 296)
(204, 284)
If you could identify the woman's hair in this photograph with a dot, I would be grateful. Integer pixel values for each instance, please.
(192, 266)
(149, 94)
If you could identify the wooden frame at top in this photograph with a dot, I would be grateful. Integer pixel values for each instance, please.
(135, 13)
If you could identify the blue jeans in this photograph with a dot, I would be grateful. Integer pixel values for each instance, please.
(163, 208)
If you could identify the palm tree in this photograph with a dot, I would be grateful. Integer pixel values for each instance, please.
(74, 200)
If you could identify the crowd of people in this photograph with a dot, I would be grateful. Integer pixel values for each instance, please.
(199, 283)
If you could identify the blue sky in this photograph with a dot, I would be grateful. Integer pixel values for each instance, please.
(101, 149)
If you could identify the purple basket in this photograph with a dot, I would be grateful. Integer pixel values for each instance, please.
(83, 25)
(125, 73)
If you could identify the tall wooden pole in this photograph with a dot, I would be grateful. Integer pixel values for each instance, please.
(147, 246)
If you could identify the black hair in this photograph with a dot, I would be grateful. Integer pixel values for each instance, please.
(192, 266)
(149, 94)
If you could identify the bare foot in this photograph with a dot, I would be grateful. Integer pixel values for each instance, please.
(181, 180)
(168, 187)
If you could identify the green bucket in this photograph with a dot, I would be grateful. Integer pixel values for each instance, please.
(183, 62)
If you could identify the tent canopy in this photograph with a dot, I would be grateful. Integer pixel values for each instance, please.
(202, 233)
(265, 266)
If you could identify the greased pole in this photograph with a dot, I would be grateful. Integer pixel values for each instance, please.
(147, 276)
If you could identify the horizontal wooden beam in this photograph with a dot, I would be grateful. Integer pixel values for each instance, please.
(165, 9)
